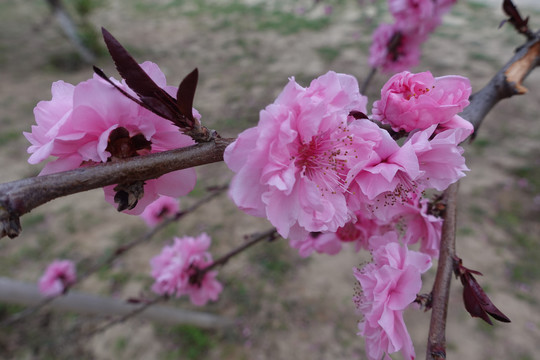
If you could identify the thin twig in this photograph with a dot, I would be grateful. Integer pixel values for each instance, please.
(269, 235)
(127, 316)
(436, 345)
(506, 83)
(367, 80)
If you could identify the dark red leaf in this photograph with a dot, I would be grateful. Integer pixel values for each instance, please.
(186, 93)
(156, 99)
(515, 19)
(472, 303)
(477, 303)
(358, 115)
(102, 75)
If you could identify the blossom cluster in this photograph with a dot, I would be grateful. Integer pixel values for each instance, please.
(323, 173)
(396, 47)
(93, 122)
(58, 276)
(177, 270)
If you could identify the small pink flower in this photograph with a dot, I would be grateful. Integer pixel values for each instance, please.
(176, 270)
(292, 168)
(441, 160)
(93, 122)
(389, 285)
(159, 210)
(418, 225)
(58, 276)
(417, 101)
(394, 50)
(392, 170)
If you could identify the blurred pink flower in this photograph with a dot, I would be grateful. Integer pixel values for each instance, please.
(415, 16)
(292, 168)
(159, 210)
(389, 285)
(93, 122)
(394, 50)
(176, 270)
(58, 276)
(416, 101)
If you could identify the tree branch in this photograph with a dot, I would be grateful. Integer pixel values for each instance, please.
(17, 292)
(436, 346)
(506, 83)
(21, 196)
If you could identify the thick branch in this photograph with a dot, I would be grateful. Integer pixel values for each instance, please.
(21, 196)
(506, 83)
(436, 347)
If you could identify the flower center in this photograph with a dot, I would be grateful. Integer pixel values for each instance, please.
(121, 145)
(324, 161)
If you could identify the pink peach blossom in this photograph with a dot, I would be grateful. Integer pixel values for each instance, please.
(292, 168)
(441, 160)
(58, 276)
(417, 224)
(417, 101)
(93, 122)
(159, 210)
(392, 170)
(393, 49)
(175, 270)
(389, 285)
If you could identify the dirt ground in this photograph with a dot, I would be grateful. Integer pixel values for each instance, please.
(290, 308)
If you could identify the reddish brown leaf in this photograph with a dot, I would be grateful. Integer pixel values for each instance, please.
(515, 19)
(477, 303)
(155, 98)
(358, 115)
(186, 93)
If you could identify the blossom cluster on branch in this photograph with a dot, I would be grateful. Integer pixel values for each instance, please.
(323, 173)
(93, 122)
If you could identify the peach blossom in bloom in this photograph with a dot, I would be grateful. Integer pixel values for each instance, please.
(58, 276)
(93, 122)
(412, 101)
(175, 270)
(440, 158)
(394, 50)
(292, 168)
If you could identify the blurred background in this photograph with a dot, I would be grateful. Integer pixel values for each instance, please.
(290, 308)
